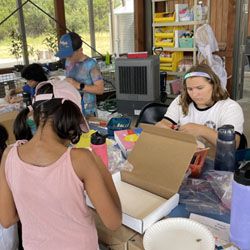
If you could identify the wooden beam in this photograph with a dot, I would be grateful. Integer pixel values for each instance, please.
(160, 7)
(230, 41)
(139, 25)
(6, 70)
(60, 17)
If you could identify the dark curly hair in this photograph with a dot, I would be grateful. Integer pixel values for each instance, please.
(34, 72)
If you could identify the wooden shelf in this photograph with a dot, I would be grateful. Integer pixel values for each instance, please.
(169, 24)
(178, 49)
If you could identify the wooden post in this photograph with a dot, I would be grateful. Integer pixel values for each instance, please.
(230, 42)
(139, 25)
(60, 17)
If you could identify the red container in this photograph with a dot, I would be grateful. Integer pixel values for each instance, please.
(197, 165)
(138, 54)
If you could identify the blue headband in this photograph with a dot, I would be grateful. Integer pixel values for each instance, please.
(193, 74)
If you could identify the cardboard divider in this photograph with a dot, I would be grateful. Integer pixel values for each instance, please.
(160, 158)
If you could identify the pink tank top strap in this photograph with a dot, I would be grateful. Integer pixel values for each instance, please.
(20, 142)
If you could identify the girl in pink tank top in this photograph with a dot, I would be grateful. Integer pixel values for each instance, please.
(42, 181)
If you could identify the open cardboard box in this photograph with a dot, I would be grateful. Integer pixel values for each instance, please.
(136, 243)
(160, 159)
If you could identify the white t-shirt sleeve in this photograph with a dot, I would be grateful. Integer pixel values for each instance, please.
(174, 110)
(232, 114)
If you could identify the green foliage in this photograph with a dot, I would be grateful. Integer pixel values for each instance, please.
(37, 23)
(6, 8)
(51, 42)
(16, 48)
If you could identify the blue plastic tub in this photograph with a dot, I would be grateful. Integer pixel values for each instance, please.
(115, 124)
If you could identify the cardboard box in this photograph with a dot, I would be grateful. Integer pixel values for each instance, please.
(117, 240)
(160, 158)
(7, 120)
(136, 243)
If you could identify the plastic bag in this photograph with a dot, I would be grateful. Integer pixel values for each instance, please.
(207, 44)
(221, 182)
(199, 197)
(116, 161)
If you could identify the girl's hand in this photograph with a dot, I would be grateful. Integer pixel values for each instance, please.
(73, 82)
(164, 123)
(192, 128)
(7, 98)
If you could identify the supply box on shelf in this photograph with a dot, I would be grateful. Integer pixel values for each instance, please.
(167, 32)
(160, 159)
(164, 42)
(170, 62)
(164, 17)
(186, 42)
(168, 36)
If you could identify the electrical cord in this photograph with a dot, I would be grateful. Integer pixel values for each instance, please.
(107, 81)
(109, 104)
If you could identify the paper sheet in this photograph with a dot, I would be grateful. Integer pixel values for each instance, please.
(219, 229)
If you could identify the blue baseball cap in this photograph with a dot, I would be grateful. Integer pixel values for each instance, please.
(66, 48)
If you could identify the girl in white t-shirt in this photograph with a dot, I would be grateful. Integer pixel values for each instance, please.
(203, 107)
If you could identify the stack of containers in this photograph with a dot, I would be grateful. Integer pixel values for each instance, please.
(165, 37)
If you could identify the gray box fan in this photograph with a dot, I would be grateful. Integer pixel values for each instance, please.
(137, 83)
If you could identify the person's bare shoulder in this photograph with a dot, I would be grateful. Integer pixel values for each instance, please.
(82, 160)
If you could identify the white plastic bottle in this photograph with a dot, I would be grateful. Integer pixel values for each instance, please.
(199, 11)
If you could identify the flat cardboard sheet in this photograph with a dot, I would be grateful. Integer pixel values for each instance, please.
(160, 158)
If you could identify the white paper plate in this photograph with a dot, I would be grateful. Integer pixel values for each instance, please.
(178, 234)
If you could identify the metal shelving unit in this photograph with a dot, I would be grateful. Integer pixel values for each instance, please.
(194, 23)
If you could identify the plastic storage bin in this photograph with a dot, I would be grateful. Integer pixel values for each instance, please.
(115, 124)
(171, 63)
(186, 42)
(167, 32)
(164, 17)
(160, 42)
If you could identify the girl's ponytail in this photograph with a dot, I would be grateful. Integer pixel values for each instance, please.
(22, 130)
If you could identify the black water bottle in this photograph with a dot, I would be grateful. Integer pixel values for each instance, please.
(27, 99)
(225, 149)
